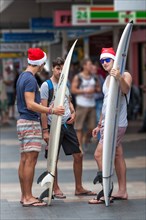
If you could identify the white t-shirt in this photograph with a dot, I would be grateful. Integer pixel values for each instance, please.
(86, 100)
(123, 107)
(44, 91)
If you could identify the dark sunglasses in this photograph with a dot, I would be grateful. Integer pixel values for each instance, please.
(107, 60)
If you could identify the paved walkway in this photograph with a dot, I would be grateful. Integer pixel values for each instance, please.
(74, 208)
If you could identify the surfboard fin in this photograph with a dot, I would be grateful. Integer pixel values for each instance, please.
(100, 194)
(110, 193)
(45, 194)
(47, 179)
(41, 177)
(98, 177)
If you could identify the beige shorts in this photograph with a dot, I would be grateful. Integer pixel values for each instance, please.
(120, 135)
(29, 135)
(85, 115)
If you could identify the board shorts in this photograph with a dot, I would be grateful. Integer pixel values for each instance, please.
(85, 115)
(120, 135)
(68, 140)
(11, 98)
(29, 135)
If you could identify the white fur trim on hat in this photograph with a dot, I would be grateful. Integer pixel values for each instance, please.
(38, 62)
(107, 55)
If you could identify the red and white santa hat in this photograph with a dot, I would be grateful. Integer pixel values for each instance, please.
(36, 56)
(108, 52)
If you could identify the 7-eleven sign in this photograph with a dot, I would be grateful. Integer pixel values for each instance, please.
(105, 15)
(125, 17)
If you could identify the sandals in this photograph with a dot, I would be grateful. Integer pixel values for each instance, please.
(35, 204)
(95, 201)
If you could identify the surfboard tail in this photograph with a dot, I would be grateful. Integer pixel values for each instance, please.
(107, 190)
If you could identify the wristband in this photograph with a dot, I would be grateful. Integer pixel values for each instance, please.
(51, 111)
(45, 129)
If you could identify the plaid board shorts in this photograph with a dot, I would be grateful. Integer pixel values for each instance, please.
(120, 135)
(29, 135)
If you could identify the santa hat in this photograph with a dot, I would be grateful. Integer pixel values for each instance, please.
(36, 56)
(108, 52)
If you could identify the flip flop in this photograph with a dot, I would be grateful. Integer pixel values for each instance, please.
(87, 193)
(118, 198)
(59, 196)
(94, 201)
(35, 204)
(35, 198)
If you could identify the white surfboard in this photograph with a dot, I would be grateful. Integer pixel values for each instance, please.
(112, 114)
(48, 177)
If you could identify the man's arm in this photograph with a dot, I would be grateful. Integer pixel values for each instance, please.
(125, 80)
(98, 87)
(73, 113)
(74, 86)
(44, 121)
(33, 106)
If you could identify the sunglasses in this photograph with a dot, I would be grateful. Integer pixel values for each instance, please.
(107, 60)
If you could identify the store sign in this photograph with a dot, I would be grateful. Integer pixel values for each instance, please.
(62, 18)
(27, 37)
(130, 5)
(104, 15)
(11, 55)
(41, 23)
(9, 47)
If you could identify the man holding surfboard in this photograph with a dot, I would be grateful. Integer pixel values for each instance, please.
(28, 125)
(68, 137)
(107, 58)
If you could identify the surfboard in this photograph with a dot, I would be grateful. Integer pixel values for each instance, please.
(47, 178)
(112, 115)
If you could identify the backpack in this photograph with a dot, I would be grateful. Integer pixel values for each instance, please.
(51, 90)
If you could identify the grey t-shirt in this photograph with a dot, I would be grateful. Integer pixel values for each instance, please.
(44, 91)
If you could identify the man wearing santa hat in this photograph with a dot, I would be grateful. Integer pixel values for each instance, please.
(28, 125)
(107, 58)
